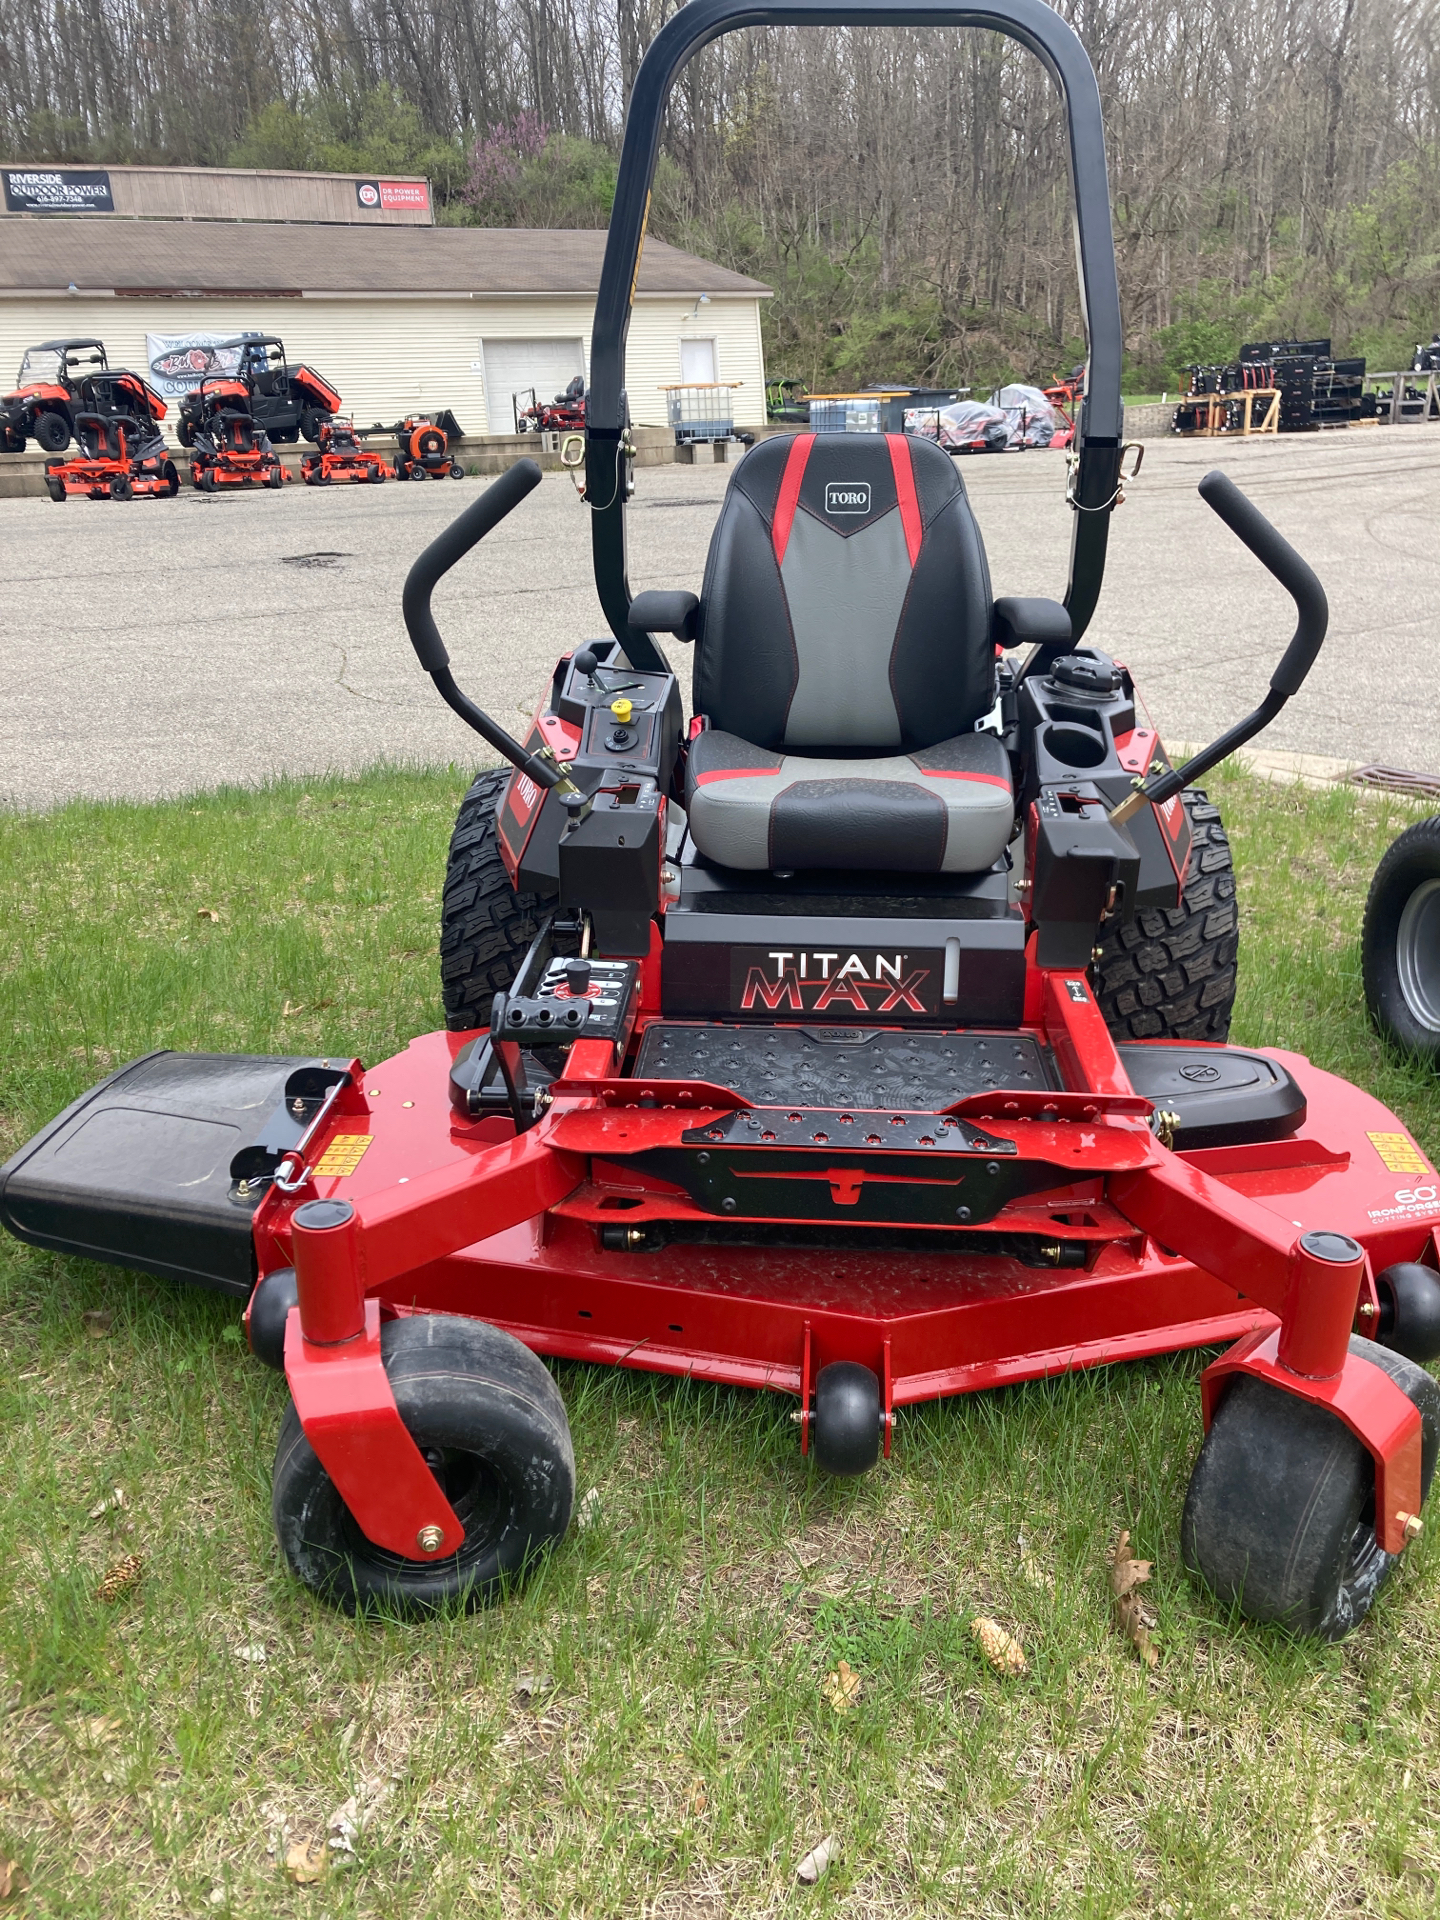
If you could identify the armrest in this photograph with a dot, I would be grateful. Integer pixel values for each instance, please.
(671, 610)
(1028, 623)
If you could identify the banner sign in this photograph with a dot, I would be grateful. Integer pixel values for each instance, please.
(57, 190)
(178, 362)
(407, 196)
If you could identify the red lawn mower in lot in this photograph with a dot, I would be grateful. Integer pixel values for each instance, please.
(47, 394)
(863, 1039)
(342, 457)
(122, 451)
(564, 414)
(227, 446)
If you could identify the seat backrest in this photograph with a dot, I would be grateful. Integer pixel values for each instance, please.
(846, 600)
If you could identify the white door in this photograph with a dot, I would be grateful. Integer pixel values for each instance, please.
(697, 363)
(512, 367)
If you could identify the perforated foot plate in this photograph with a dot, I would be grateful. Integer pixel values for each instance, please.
(860, 1067)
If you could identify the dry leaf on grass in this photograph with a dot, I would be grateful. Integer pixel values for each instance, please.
(588, 1511)
(12, 1880)
(1030, 1567)
(842, 1687)
(698, 1799)
(530, 1687)
(206, 913)
(819, 1860)
(97, 1322)
(352, 1816)
(1001, 1649)
(122, 1577)
(101, 1727)
(306, 1861)
(291, 1008)
(254, 1654)
(112, 1503)
(1126, 1575)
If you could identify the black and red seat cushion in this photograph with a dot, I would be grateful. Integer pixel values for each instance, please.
(844, 654)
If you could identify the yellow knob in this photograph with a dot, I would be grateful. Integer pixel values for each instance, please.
(622, 709)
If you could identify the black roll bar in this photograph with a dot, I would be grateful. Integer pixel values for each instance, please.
(1098, 437)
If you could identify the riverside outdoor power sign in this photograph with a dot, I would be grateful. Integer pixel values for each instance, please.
(408, 196)
(57, 190)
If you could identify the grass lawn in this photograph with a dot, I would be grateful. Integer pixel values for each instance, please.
(644, 1731)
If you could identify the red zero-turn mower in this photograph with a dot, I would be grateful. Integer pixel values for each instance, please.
(862, 1040)
(424, 447)
(564, 414)
(122, 451)
(227, 446)
(342, 457)
(47, 394)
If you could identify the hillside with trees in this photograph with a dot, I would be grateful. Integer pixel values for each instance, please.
(1275, 164)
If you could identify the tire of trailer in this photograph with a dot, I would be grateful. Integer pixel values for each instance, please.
(1169, 974)
(1400, 944)
(485, 925)
(492, 1426)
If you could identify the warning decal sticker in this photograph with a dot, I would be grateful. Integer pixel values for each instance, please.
(1399, 1153)
(344, 1153)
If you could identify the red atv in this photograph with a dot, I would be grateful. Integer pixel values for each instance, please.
(122, 451)
(227, 447)
(342, 457)
(564, 414)
(47, 394)
(863, 1038)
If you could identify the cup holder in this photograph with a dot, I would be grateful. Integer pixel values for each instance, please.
(1074, 746)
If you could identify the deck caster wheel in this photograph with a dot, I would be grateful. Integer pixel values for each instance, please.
(1409, 1297)
(490, 1421)
(847, 1418)
(267, 1314)
(1280, 1517)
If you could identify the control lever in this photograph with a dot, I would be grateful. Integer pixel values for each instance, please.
(1275, 553)
(502, 496)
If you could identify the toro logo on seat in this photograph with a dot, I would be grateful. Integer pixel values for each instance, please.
(847, 496)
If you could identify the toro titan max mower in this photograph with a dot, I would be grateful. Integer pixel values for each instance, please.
(564, 414)
(287, 403)
(861, 1038)
(228, 447)
(122, 450)
(342, 457)
(47, 394)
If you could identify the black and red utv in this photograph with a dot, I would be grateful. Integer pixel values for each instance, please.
(341, 456)
(122, 452)
(287, 403)
(227, 446)
(47, 394)
(861, 1037)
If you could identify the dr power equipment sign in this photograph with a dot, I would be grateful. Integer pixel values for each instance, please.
(57, 190)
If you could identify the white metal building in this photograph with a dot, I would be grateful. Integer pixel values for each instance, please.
(398, 318)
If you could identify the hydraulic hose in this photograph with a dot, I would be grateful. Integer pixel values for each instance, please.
(1278, 557)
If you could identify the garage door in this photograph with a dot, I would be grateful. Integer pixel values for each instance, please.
(514, 366)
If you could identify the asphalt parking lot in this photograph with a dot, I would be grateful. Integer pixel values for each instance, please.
(159, 646)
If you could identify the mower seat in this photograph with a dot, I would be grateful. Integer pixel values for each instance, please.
(99, 435)
(844, 652)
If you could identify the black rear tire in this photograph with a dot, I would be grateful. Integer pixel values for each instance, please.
(1400, 944)
(490, 1421)
(1280, 1517)
(485, 926)
(52, 432)
(1169, 974)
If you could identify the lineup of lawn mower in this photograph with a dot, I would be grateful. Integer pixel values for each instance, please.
(862, 1037)
(231, 423)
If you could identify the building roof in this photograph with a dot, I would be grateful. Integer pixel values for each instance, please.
(50, 255)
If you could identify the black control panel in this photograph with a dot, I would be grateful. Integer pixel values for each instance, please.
(607, 986)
